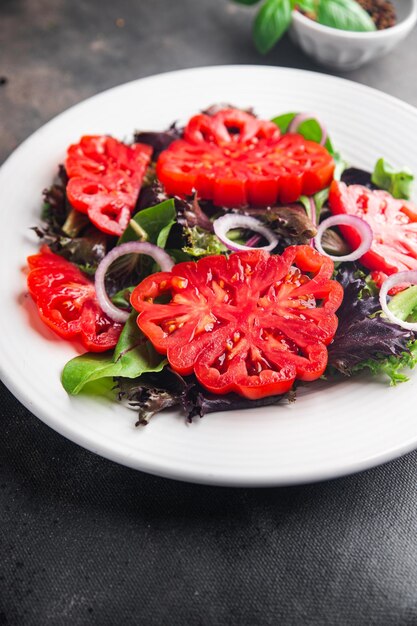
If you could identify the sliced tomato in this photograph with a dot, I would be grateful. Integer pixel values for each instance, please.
(393, 223)
(252, 323)
(235, 159)
(105, 177)
(67, 302)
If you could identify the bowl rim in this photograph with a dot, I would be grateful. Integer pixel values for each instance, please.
(404, 25)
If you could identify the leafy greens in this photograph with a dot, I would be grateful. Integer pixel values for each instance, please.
(151, 393)
(398, 183)
(133, 356)
(362, 334)
(274, 17)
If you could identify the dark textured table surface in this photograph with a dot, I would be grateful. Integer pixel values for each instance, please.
(85, 541)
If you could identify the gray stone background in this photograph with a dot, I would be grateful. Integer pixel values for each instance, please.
(58, 52)
(85, 541)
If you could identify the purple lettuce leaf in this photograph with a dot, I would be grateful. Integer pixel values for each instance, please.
(362, 333)
(151, 393)
(159, 140)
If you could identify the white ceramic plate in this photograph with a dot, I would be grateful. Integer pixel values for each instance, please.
(332, 429)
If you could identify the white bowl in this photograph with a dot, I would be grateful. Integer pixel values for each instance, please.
(347, 50)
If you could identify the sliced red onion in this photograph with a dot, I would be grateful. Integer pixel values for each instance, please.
(313, 216)
(408, 277)
(355, 222)
(303, 117)
(252, 241)
(132, 247)
(231, 220)
(313, 210)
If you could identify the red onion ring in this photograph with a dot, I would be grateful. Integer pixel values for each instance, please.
(355, 222)
(409, 277)
(252, 241)
(313, 210)
(132, 247)
(313, 216)
(229, 221)
(303, 117)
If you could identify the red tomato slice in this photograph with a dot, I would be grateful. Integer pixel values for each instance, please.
(235, 159)
(252, 323)
(67, 302)
(105, 177)
(393, 223)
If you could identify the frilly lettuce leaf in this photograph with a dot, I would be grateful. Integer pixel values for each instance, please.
(202, 243)
(392, 366)
(362, 333)
(151, 393)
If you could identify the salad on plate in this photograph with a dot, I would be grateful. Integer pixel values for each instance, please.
(222, 264)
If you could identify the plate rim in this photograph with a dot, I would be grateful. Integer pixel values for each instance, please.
(248, 66)
(186, 474)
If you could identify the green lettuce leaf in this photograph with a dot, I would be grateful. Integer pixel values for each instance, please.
(399, 184)
(404, 304)
(309, 129)
(381, 347)
(156, 221)
(393, 366)
(133, 356)
(363, 335)
(202, 243)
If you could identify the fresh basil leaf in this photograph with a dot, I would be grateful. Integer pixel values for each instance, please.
(179, 256)
(344, 15)
(85, 369)
(102, 388)
(309, 6)
(122, 298)
(130, 340)
(152, 220)
(305, 201)
(399, 184)
(340, 165)
(164, 234)
(320, 198)
(134, 355)
(309, 129)
(284, 120)
(271, 22)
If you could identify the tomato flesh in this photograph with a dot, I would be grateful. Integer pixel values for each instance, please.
(105, 177)
(252, 323)
(235, 159)
(393, 223)
(67, 302)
